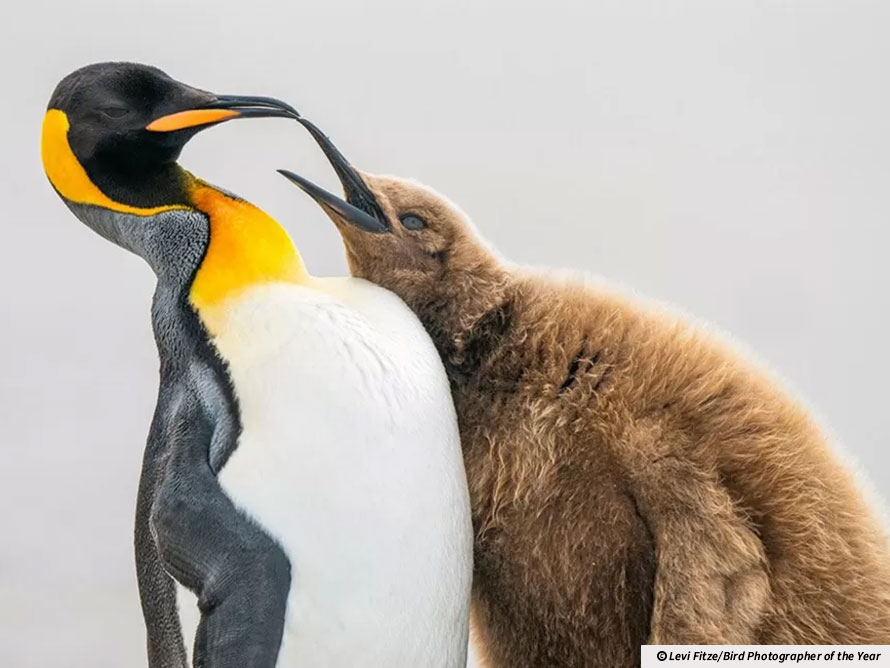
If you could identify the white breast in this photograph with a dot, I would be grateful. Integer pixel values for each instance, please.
(350, 458)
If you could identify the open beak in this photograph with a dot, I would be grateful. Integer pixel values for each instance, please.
(223, 108)
(360, 208)
(344, 210)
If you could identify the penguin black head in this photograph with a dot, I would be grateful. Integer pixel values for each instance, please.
(113, 131)
(110, 105)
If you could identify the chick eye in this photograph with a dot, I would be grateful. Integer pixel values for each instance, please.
(412, 222)
(115, 112)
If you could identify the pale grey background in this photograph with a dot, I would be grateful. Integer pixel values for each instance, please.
(730, 157)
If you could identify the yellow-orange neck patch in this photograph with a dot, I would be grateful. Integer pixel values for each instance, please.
(247, 247)
(70, 178)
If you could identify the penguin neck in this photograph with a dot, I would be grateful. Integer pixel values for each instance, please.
(246, 248)
(469, 317)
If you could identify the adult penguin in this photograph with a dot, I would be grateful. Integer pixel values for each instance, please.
(303, 475)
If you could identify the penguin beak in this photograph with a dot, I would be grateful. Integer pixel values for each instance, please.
(223, 108)
(333, 204)
(360, 207)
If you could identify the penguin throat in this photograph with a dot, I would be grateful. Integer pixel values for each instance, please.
(139, 185)
(247, 247)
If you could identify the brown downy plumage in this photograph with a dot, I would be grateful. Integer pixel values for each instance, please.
(633, 480)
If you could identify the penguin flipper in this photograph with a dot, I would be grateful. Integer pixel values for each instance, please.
(240, 575)
(157, 590)
(711, 581)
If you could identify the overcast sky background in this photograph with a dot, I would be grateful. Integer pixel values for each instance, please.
(730, 157)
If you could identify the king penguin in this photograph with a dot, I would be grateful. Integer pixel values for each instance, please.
(302, 479)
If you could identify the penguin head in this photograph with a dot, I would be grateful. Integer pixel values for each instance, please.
(108, 107)
(401, 234)
(113, 132)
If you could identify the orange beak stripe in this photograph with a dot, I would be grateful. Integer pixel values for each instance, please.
(190, 118)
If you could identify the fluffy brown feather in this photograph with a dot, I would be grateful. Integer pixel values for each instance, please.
(633, 480)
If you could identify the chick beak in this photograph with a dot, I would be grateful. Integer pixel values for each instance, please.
(222, 108)
(333, 204)
(360, 207)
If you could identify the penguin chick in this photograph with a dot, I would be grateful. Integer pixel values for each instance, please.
(303, 480)
(633, 479)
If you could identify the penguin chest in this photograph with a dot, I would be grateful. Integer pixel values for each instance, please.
(349, 458)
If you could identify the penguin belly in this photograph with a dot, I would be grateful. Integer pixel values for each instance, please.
(349, 457)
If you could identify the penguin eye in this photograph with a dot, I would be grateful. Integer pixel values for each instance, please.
(411, 222)
(115, 112)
